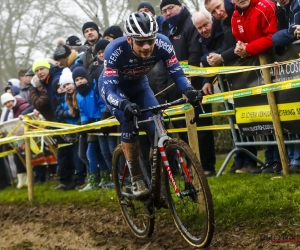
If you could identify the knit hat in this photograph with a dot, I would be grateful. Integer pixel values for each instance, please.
(66, 77)
(35, 82)
(146, 5)
(14, 82)
(113, 31)
(80, 71)
(6, 97)
(73, 41)
(14, 90)
(29, 72)
(61, 52)
(167, 2)
(90, 25)
(100, 45)
(40, 62)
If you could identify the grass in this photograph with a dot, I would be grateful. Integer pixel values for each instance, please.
(240, 200)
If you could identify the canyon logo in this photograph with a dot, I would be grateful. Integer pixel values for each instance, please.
(110, 72)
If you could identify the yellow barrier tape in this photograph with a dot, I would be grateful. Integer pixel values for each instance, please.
(263, 89)
(34, 147)
(7, 153)
(212, 71)
(286, 111)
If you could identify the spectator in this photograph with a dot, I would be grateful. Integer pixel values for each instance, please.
(147, 7)
(91, 106)
(48, 75)
(66, 57)
(112, 33)
(73, 42)
(222, 10)
(91, 33)
(68, 113)
(253, 24)
(17, 105)
(253, 38)
(14, 82)
(288, 16)
(184, 38)
(211, 40)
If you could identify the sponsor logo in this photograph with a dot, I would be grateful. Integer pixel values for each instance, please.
(110, 72)
(162, 44)
(115, 55)
(244, 93)
(138, 71)
(172, 60)
(112, 101)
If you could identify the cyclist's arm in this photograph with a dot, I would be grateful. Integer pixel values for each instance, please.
(111, 78)
(175, 70)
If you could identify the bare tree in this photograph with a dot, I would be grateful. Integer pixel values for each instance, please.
(27, 30)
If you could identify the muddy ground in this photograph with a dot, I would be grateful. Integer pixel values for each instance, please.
(75, 227)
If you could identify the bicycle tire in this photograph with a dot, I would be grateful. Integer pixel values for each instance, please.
(197, 228)
(135, 213)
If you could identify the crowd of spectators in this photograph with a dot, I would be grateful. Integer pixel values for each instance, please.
(64, 89)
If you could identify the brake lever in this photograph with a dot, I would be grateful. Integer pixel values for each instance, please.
(136, 128)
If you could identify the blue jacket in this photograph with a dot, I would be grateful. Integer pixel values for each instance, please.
(286, 36)
(90, 106)
(160, 20)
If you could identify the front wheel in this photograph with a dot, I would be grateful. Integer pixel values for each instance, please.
(191, 208)
(137, 214)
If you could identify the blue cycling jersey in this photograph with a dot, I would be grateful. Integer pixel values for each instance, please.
(121, 67)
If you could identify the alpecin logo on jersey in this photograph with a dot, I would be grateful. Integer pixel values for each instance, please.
(172, 60)
(111, 72)
(138, 71)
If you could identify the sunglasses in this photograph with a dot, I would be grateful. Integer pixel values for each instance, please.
(140, 43)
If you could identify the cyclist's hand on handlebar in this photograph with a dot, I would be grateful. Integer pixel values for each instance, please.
(130, 110)
(194, 96)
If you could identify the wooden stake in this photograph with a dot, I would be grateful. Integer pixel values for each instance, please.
(28, 163)
(192, 132)
(275, 117)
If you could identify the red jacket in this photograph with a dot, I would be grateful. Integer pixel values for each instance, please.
(255, 26)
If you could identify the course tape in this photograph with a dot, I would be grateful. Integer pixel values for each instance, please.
(212, 71)
(7, 153)
(263, 89)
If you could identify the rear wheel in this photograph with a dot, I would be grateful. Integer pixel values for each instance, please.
(138, 214)
(192, 211)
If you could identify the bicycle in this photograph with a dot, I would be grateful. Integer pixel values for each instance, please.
(186, 188)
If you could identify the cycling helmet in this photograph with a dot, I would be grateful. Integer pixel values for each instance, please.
(140, 24)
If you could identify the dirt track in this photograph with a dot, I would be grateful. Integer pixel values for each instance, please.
(73, 227)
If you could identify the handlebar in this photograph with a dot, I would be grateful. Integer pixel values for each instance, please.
(197, 106)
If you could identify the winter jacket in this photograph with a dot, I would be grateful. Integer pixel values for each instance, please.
(41, 103)
(88, 57)
(214, 43)
(90, 106)
(185, 39)
(286, 35)
(160, 20)
(50, 84)
(66, 116)
(255, 26)
(21, 104)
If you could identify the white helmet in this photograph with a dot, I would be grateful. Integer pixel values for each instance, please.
(140, 24)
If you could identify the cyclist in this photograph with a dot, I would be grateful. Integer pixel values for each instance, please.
(124, 86)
